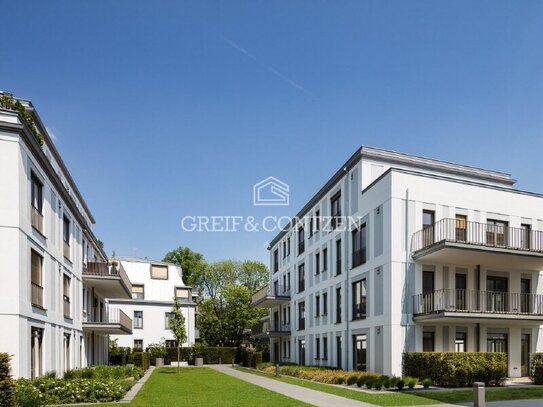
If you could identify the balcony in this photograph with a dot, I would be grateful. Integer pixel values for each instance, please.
(469, 243)
(271, 296)
(452, 303)
(108, 279)
(107, 321)
(274, 329)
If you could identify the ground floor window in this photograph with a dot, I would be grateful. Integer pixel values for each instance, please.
(317, 348)
(301, 351)
(428, 342)
(359, 352)
(460, 342)
(338, 352)
(325, 348)
(36, 355)
(496, 342)
(138, 344)
(170, 343)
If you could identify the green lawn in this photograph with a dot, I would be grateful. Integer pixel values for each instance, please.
(384, 399)
(204, 387)
(499, 394)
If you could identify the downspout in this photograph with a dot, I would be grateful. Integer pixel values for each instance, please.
(346, 245)
(407, 260)
(478, 330)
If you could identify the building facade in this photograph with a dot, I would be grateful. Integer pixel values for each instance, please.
(154, 286)
(55, 275)
(401, 253)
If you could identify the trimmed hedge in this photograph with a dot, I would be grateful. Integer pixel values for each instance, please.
(210, 354)
(120, 356)
(457, 369)
(142, 359)
(7, 385)
(536, 368)
(250, 358)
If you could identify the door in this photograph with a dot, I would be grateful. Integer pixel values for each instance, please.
(461, 228)
(301, 351)
(525, 355)
(525, 296)
(427, 291)
(428, 220)
(496, 288)
(360, 346)
(460, 293)
(339, 354)
(496, 233)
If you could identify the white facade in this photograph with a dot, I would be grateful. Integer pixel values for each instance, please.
(451, 260)
(154, 285)
(46, 243)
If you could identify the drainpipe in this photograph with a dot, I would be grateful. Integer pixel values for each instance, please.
(407, 260)
(345, 247)
(478, 331)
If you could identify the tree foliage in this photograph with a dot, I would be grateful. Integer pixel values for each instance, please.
(192, 263)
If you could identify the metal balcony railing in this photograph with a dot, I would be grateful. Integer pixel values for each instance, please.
(481, 234)
(474, 301)
(274, 327)
(106, 269)
(271, 291)
(107, 315)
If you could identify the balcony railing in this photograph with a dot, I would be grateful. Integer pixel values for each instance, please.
(480, 234)
(485, 302)
(107, 315)
(66, 307)
(37, 219)
(271, 291)
(105, 269)
(37, 295)
(275, 327)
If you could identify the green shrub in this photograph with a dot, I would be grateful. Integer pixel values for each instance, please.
(393, 381)
(400, 384)
(370, 381)
(411, 382)
(141, 359)
(457, 369)
(361, 381)
(426, 383)
(378, 384)
(352, 380)
(340, 380)
(536, 368)
(7, 385)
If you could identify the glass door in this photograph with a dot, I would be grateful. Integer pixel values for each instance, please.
(525, 296)
(496, 343)
(428, 291)
(460, 293)
(428, 220)
(525, 355)
(360, 346)
(496, 294)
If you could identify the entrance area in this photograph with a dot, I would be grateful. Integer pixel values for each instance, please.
(525, 355)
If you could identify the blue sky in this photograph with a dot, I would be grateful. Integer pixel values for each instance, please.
(167, 109)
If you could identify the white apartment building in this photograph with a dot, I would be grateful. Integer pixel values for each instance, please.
(55, 275)
(154, 286)
(438, 257)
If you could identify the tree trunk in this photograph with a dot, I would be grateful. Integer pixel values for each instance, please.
(178, 357)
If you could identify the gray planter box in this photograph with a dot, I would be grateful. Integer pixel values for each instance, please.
(198, 361)
(159, 362)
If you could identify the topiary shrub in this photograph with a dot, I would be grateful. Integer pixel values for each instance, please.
(352, 380)
(361, 381)
(7, 385)
(369, 382)
(411, 382)
(400, 384)
(426, 383)
(457, 369)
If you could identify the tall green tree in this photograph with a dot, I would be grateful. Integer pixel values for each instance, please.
(177, 326)
(192, 263)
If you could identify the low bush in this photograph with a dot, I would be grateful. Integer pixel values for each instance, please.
(352, 380)
(105, 372)
(340, 380)
(536, 368)
(141, 359)
(361, 381)
(7, 385)
(457, 369)
(400, 384)
(426, 383)
(370, 381)
(378, 384)
(393, 381)
(411, 382)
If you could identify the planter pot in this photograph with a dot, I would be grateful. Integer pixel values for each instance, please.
(159, 362)
(198, 361)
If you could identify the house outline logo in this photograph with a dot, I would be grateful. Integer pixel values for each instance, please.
(277, 190)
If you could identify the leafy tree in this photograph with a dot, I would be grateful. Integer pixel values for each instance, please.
(177, 325)
(192, 263)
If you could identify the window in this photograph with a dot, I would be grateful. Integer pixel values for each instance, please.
(325, 348)
(168, 316)
(301, 278)
(138, 292)
(66, 296)
(36, 267)
(461, 227)
(338, 305)
(288, 281)
(301, 315)
(317, 305)
(301, 242)
(284, 249)
(36, 199)
(138, 344)
(359, 299)
(182, 293)
(317, 263)
(428, 219)
(36, 353)
(317, 221)
(170, 343)
(66, 236)
(428, 342)
(324, 259)
(359, 245)
(496, 232)
(138, 319)
(317, 348)
(288, 246)
(359, 353)
(301, 351)
(276, 260)
(460, 342)
(311, 224)
(526, 233)
(335, 204)
(338, 257)
(324, 303)
(159, 272)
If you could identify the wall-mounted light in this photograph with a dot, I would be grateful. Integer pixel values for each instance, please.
(378, 331)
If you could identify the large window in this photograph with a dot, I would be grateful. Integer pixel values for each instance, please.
(338, 257)
(36, 353)
(335, 204)
(359, 245)
(359, 299)
(301, 278)
(324, 259)
(496, 232)
(138, 319)
(325, 348)
(168, 316)
(428, 342)
(359, 353)
(36, 266)
(317, 305)
(288, 246)
(66, 236)
(301, 315)
(66, 297)
(428, 219)
(275, 260)
(338, 305)
(301, 240)
(138, 292)
(159, 272)
(324, 303)
(36, 198)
